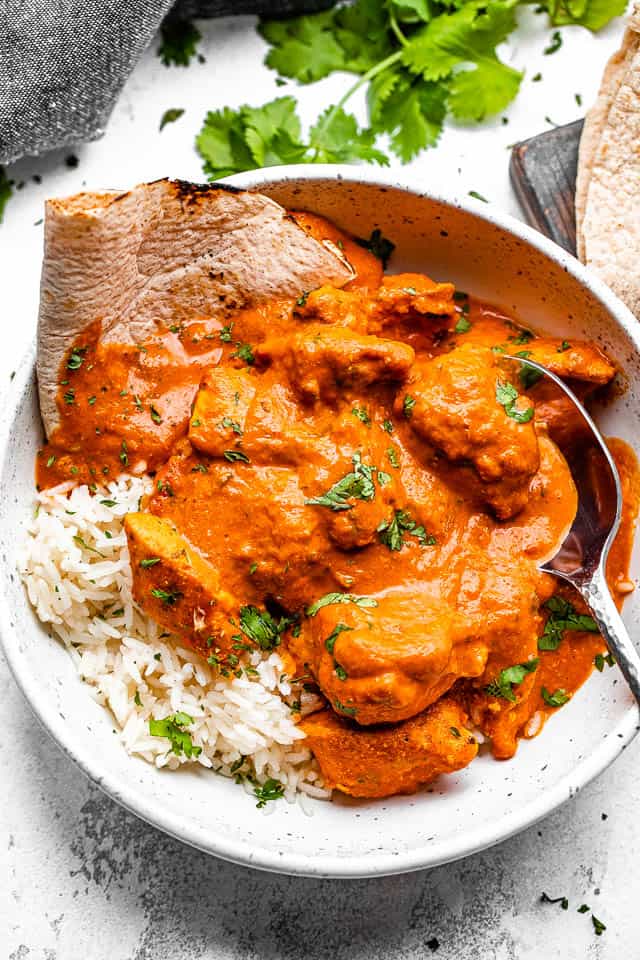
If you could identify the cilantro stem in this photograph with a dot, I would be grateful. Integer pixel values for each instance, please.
(393, 23)
(365, 78)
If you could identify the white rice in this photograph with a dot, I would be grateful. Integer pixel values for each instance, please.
(75, 566)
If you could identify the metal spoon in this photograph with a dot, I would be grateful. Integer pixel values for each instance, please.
(581, 558)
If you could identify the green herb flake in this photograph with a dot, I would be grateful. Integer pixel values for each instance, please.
(168, 597)
(69, 397)
(172, 728)
(124, 456)
(271, 789)
(598, 925)
(149, 562)
(235, 456)
(261, 628)
(76, 358)
(503, 685)
(387, 426)
(601, 659)
(392, 454)
(228, 424)
(562, 616)
(563, 901)
(477, 196)
(357, 485)
(329, 598)
(390, 532)
(342, 708)
(556, 699)
(555, 44)
(179, 40)
(137, 700)
(225, 333)
(51, 461)
(109, 503)
(463, 325)
(155, 416)
(361, 414)
(170, 116)
(244, 352)
(408, 404)
(507, 395)
(565, 345)
(378, 245)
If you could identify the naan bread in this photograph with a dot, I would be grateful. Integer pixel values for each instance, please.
(162, 253)
(608, 185)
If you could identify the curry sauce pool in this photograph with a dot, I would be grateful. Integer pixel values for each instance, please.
(349, 486)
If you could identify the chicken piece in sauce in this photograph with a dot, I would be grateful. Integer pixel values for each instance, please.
(387, 760)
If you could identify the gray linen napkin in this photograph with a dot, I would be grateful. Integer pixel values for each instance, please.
(63, 63)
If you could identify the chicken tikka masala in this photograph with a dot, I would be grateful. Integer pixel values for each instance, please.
(353, 474)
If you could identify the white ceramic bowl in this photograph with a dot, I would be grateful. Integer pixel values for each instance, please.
(510, 265)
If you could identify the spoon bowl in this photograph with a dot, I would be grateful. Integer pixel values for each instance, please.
(582, 556)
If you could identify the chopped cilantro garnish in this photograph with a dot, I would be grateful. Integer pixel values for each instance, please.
(528, 375)
(598, 925)
(168, 597)
(601, 659)
(179, 39)
(260, 627)
(172, 728)
(387, 426)
(81, 543)
(393, 457)
(155, 416)
(330, 642)
(463, 325)
(170, 116)
(378, 245)
(108, 503)
(51, 461)
(555, 44)
(408, 404)
(149, 562)
(230, 424)
(562, 616)
(361, 414)
(137, 700)
(329, 598)
(356, 485)
(236, 455)
(342, 708)
(76, 358)
(390, 532)
(244, 352)
(503, 685)
(270, 790)
(563, 901)
(225, 333)
(506, 395)
(477, 196)
(565, 345)
(69, 397)
(555, 699)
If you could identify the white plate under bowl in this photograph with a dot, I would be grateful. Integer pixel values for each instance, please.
(499, 259)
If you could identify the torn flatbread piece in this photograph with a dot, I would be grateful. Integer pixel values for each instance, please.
(134, 263)
(608, 185)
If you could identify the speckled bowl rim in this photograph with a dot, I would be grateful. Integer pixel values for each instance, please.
(180, 827)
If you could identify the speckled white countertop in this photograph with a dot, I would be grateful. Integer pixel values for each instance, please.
(85, 879)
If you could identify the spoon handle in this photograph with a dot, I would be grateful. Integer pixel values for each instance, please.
(598, 597)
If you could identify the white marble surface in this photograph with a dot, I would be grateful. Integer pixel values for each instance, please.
(86, 879)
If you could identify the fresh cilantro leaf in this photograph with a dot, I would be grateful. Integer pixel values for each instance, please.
(408, 404)
(563, 901)
(271, 789)
(463, 325)
(393, 457)
(379, 245)
(76, 358)
(330, 642)
(390, 532)
(410, 109)
(170, 116)
(336, 138)
(555, 699)
(260, 627)
(356, 485)
(562, 616)
(387, 426)
(173, 729)
(601, 659)
(235, 456)
(304, 48)
(528, 375)
(484, 90)
(477, 196)
(329, 598)
(507, 395)
(342, 708)
(244, 352)
(598, 925)
(168, 597)
(503, 685)
(6, 189)
(179, 42)
(593, 14)
(149, 562)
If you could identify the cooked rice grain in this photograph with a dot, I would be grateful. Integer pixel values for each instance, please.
(75, 566)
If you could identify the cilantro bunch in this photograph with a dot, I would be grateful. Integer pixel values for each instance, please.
(419, 60)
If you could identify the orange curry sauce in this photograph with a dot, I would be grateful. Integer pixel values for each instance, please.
(366, 448)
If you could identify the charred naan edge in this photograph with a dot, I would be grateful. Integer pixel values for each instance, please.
(608, 199)
(162, 253)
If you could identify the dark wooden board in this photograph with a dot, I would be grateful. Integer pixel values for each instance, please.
(543, 173)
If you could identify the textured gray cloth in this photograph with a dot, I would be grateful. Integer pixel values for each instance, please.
(63, 63)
